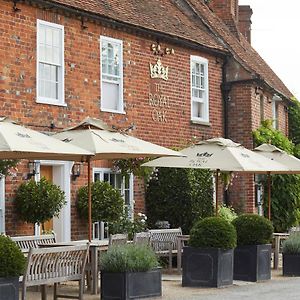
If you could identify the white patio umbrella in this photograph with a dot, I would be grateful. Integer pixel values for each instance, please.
(19, 142)
(106, 143)
(219, 154)
(290, 162)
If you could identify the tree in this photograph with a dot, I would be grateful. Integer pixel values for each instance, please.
(38, 202)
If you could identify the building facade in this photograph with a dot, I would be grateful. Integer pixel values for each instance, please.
(172, 72)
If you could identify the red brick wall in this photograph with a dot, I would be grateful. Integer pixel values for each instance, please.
(82, 88)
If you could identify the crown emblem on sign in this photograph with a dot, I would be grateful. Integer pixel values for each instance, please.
(158, 70)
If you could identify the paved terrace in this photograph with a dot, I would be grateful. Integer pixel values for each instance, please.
(278, 288)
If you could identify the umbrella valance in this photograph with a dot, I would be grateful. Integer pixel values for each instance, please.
(18, 142)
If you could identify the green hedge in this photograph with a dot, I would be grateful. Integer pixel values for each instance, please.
(253, 230)
(213, 232)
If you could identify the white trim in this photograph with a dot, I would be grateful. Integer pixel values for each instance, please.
(2, 204)
(61, 177)
(121, 94)
(61, 99)
(205, 101)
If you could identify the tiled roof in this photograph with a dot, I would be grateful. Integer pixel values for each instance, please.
(176, 18)
(159, 15)
(241, 49)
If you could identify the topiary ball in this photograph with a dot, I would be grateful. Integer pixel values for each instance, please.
(213, 232)
(12, 260)
(253, 230)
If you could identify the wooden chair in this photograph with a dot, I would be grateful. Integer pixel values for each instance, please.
(118, 239)
(142, 238)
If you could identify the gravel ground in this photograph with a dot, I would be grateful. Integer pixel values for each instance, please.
(276, 289)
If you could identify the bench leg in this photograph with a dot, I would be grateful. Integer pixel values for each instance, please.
(55, 291)
(23, 292)
(170, 260)
(81, 289)
(44, 292)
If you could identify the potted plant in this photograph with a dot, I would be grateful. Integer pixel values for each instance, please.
(12, 265)
(291, 255)
(130, 272)
(38, 202)
(208, 260)
(252, 256)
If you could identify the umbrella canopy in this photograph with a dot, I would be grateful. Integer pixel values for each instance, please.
(18, 142)
(290, 162)
(106, 143)
(219, 154)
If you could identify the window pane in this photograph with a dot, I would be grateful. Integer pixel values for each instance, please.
(106, 177)
(197, 110)
(47, 89)
(41, 88)
(127, 197)
(42, 34)
(113, 180)
(110, 96)
(42, 53)
(49, 36)
(127, 182)
(96, 177)
(56, 39)
(55, 56)
(119, 181)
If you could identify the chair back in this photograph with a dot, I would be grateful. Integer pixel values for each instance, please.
(142, 238)
(118, 239)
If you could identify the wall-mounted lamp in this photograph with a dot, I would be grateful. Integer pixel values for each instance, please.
(15, 8)
(34, 168)
(76, 170)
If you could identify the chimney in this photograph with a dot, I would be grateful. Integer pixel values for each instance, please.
(227, 10)
(245, 13)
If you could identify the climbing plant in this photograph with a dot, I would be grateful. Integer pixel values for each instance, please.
(285, 189)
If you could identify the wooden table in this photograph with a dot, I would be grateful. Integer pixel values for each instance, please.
(96, 246)
(277, 237)
(181, 239)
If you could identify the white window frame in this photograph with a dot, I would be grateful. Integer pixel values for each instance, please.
(120, 110)
(98, 227)
(46, 100)
(205, 100)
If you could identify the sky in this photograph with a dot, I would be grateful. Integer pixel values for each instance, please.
(275, 36)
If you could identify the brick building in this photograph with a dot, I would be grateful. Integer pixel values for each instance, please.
(175, 70)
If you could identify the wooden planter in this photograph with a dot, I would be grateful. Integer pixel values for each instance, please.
(209, 267)
(9, 288)
(291, 264)
(252, 263)
(130, 285)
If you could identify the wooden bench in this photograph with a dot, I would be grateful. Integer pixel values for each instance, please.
(55, 265)
(33, 241)
(165, 242)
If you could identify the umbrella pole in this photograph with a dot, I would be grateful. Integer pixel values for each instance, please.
(217, 193)
(269, 195)
(89, 200)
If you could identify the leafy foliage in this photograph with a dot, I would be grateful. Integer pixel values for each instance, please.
(285, 190)
(253, 230)
(179, 196)
(227, 213)
(126, 225)
(38, 202)
(213, 232)
(107, 202)
(294, 121)
(292, 244)
(130, 258)
(12, 260)
(6, 165)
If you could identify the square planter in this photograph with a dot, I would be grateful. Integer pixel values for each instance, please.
(9, 288)
(209, 267)
(291, 264)
(130, 285)
(252, 263)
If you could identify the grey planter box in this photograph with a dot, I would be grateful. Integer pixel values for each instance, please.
(130, 285)
(209, 267)
(252, 263)
(291, 264)
(9, 288)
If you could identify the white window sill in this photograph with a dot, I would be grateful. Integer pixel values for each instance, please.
(51, 102)
(122, 112)
(200, 122)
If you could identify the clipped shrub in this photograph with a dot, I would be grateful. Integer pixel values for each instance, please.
(213, 232)
(129, 258)
(292, 244)
(253, 230)
(107, 202)
(227, 213)
(12, 260)
(38, 202)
